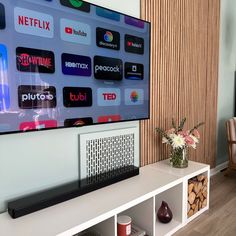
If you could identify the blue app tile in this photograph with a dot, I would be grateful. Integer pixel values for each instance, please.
(3, 58)
(107, 14)
(4, 97)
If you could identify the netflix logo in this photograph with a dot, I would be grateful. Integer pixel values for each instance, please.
(33, 23)
(35, 60)
(77, 97)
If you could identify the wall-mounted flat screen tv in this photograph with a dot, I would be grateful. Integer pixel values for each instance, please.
(67, 63)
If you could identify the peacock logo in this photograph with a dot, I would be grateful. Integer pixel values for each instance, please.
(134, 96)
(108, 36)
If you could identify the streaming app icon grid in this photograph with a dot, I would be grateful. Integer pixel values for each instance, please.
(73, 64)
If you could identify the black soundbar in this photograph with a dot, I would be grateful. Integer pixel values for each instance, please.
(41, 200)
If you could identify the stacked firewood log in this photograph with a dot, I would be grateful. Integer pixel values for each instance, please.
(197, 194)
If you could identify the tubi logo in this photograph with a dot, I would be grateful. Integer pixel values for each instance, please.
(76, 65)
(75, 32)
(110, 118)
(108, 97)
(2, 17)
(78, 122)
(107, 68)
(76, 4)
(31, 97)
(3, 59)
(37, 125)
(134, 71)
(77, 97)
(33, 23)
(134, 44)
(35, 60)
(107, 39)
(134, 96)
(4, 97)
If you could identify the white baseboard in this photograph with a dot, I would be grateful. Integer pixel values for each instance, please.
(218, 168)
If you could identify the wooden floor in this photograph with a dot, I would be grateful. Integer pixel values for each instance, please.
(220, 220)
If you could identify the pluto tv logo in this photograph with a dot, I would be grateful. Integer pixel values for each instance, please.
(107, 68)
(77, 97)
(35, 60)
(2, 17)
(134, 44)
(76, 4)
(78, 121)
(30, 97)
(108, 39)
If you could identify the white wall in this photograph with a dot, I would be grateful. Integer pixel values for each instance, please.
(33, 161)
(227, 67)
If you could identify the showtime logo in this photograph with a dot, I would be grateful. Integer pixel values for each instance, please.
(33, 23)
(35, 60)
(26, 59)
(75, 32)
(108, 97)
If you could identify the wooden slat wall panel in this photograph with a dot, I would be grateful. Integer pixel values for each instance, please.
(184, 73)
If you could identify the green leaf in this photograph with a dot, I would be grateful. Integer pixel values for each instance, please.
(173, 123)
(181, 125)
(197, 126)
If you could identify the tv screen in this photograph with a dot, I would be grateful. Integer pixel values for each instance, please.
(67, 63)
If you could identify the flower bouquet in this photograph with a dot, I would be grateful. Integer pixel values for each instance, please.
(179, 141)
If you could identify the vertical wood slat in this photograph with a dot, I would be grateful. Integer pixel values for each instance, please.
(184, 73)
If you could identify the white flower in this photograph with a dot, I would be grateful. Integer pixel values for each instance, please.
(164, 140)
(177, 141)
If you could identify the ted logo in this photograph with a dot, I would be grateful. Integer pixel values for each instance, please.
(108, 97)
(31, 97)
(77, 97)
(35, 60)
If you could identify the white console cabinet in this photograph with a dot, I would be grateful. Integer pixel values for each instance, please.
(139, 197)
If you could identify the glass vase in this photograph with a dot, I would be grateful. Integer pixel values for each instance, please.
(179, 157)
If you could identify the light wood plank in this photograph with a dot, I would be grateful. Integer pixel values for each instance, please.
(184, 73)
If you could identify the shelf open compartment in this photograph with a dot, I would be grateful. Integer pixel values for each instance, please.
(197, 195)
(104, 228)
(174, 198)
(142, 216)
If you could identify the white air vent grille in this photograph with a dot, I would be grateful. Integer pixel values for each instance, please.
(103, 151)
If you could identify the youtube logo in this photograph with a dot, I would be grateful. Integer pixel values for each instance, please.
(68, 30)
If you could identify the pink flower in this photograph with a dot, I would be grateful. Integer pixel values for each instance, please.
(189, 141)
(184, 133)
(170, 131)
(196, 133)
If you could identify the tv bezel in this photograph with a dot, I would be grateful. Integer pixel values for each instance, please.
(100, 123)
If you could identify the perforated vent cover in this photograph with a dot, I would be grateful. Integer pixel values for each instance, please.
(103, 151)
